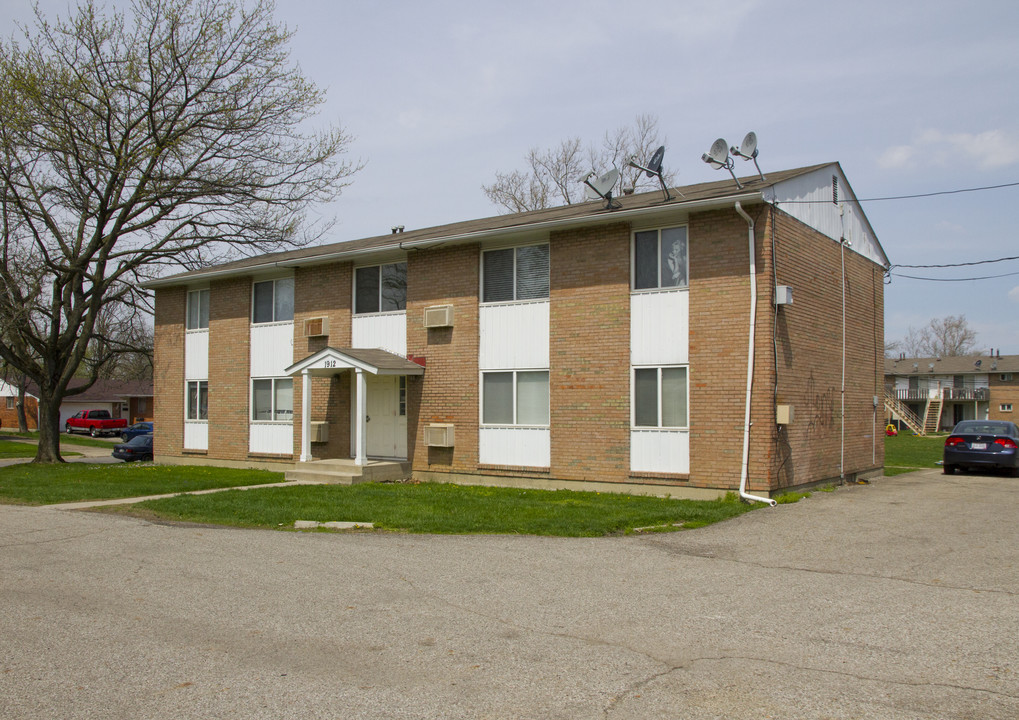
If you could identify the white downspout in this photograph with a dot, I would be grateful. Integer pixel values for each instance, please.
(744, 471)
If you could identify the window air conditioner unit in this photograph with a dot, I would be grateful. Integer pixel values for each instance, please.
(439, 435)
(438, 316)
(316, 326)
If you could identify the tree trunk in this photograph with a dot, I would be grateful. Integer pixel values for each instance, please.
(22, 418)
(49, 431)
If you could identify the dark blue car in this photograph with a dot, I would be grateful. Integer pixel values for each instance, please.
(142, 428)
(983, 444)
(137, 448)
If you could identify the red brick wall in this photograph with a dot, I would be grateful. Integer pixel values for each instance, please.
(324, 290)
(9, 418)
(448, 393)
(589, 354)
(229, 365)
(1000, 391)
(168, 370)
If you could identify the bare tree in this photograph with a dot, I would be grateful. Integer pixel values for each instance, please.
(941, 337)
(172, 135)
(554, 176)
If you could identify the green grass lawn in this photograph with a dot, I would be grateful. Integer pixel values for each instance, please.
(441, 508)
(906, 453)
(14, 449)
(31, 484)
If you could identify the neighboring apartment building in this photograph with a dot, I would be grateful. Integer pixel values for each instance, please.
(131, 399)
(9, 407)
(576, 347)
(942, 391)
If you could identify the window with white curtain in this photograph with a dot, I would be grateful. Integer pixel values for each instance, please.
(660, 397)
(198, 310)
(273, 301)
(520, 273)
(272, 399)
(515, 397)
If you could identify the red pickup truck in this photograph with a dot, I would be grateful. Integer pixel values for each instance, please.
(95, 423)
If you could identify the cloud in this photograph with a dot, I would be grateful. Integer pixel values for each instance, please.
(1013, 294)
(986, 150)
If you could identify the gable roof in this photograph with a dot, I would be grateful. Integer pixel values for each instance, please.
(701, 196)
(958, 365)
(104, 391)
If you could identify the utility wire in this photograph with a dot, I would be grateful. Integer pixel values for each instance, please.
(903, 197)
(986, 277)
(952, 265)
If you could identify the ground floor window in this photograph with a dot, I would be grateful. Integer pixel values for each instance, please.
(1005, 407)
(660, 397)
(198, 400)
(515, 397)
(10, 402)
(272, 399)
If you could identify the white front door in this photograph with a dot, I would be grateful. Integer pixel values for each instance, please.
(386, 410)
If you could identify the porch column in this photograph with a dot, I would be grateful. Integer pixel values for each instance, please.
(360, 431)
(305, 416)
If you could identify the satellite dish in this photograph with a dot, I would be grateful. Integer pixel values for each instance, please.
(748, 151)
(718, 157)
(653, 169)
(601, 187)
(654, 166)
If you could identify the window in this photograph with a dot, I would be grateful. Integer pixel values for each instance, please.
(272, 399)
(515, 398)
(660, 258)
(198, 400)
(1005, 407)
(273, 301)
(198, 310)
(382, 288)
(515, 274)
(10, 402)
(1005, 377)
(403, 395)
(660, 397)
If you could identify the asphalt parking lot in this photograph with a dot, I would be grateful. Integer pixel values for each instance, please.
(892, 600)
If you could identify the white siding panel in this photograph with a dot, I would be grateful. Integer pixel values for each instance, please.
(808, 198)
(388, 332)
(660, 451)
(524, 447)
(274, 438)
(660, 328)
(272, 349)
(196, 355)
(196, 435)
(514, 335)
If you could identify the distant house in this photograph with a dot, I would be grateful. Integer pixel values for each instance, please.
(131, 399)
(9, 407)
(933, 394)
(678, 345)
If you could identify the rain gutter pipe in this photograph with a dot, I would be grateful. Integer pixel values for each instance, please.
(744, 470)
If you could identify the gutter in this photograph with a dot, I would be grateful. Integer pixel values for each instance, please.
(478, 235)
(744, 470)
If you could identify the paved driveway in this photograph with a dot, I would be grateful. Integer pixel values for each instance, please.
(893, 600)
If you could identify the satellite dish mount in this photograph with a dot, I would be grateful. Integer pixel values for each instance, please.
(654, 169)
(748, 151)
(601, 187)
(718, 157)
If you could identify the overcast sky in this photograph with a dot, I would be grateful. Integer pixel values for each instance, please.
(910, 98)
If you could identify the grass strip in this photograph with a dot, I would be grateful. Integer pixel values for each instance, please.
(445, 509)
(31, 484)
(907, 453)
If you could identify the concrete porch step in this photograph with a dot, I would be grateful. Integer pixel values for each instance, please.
(346, 472)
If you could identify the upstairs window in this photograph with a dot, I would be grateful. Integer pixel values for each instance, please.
(660, 259)
(515, 274)
(660, 397)
(198, 310)
(273, 301)
(381, 288)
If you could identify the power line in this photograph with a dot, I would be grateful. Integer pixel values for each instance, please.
(986, 277)
(904, 197)
(951, 265)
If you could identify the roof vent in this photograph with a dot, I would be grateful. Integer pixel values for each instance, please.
(397, 229)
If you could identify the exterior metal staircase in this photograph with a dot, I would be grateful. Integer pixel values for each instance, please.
(899, 409)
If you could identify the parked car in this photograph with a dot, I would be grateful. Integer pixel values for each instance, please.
(138, 448)
(983, 444)
(95, 423)
(141, 428)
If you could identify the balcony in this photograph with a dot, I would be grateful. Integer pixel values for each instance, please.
(924, 394)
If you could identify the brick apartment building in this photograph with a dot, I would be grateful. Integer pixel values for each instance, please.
(577, 347)
(936, 393)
